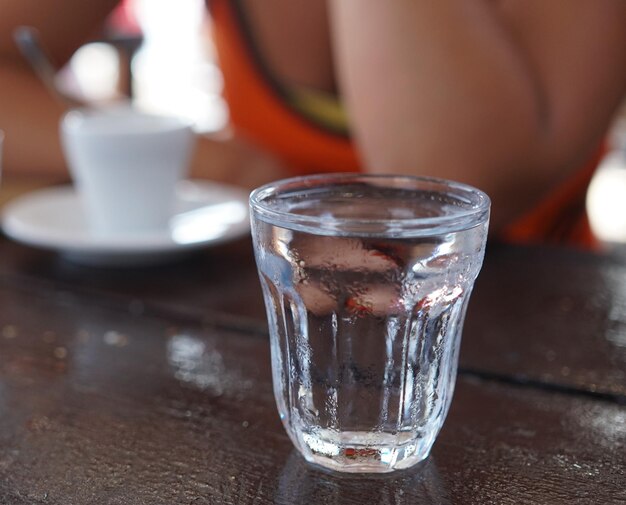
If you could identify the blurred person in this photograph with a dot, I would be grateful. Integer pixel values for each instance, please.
(511, 96)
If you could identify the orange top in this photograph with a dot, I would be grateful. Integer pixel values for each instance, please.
(259, 111)
(561, 217)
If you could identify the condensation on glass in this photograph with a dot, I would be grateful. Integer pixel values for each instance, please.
(366, 282)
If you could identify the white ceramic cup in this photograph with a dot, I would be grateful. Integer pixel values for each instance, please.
(125, 164)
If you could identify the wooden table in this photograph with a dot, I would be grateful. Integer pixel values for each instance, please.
(153, 386)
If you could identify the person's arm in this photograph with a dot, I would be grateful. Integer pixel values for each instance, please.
(509, 96)
(28, 114)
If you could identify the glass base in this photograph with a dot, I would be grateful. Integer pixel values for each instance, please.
(364, 452)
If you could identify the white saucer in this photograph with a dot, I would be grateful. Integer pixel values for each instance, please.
(206, 214)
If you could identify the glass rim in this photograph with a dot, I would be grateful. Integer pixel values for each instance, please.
(475, 213)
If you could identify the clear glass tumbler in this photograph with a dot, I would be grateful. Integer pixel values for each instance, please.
(366, 281)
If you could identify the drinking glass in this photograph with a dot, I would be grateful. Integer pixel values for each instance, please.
(366, 280)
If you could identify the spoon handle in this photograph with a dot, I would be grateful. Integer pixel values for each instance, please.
(27, 40)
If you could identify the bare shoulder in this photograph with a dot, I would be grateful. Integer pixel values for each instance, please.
(576, 51)
(293, 39)
(568, 26)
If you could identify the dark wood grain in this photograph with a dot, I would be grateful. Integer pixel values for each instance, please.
(555, 317)
(219, 283)
(552, 316)
(105, 405)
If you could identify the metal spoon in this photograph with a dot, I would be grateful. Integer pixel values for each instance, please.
(29, 44)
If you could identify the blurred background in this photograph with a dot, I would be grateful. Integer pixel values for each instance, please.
(161, 53)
